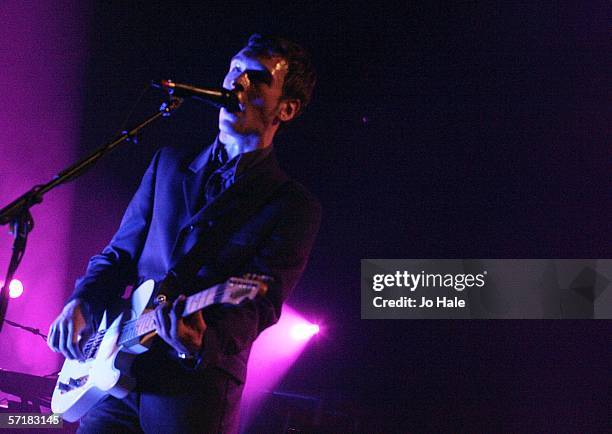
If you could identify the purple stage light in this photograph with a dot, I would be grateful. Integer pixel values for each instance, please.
(44, 54)
(15, 288)
(272, 355)
(303, 332)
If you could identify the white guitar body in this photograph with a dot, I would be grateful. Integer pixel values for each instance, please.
(86, 382)
(110, 352)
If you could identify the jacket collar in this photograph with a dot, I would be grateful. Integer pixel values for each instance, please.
(250, 188)
(245, 160)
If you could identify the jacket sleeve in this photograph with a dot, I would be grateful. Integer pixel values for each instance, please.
(283, 256)
(109, 272)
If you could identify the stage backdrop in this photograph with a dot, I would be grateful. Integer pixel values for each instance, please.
(43, 56)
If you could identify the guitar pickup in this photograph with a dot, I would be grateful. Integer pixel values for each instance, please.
(78, 382)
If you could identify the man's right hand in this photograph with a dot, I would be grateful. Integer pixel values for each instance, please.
(65, 331)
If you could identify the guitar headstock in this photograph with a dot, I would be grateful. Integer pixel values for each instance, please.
(249, 286)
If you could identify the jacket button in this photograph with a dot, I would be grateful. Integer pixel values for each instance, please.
(190, 228)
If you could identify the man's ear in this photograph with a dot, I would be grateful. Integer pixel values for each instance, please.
(289, 109)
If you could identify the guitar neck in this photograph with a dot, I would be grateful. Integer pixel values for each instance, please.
(145, 324)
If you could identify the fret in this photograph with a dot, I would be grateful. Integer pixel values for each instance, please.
(146, 322)
(198, 301)
(218, 294)
(195, 303)
(205, 298)
(209, 296)
(191, 305)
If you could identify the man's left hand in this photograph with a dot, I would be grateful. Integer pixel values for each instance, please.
(183, 334)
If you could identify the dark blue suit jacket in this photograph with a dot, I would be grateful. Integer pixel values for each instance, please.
(264, 223)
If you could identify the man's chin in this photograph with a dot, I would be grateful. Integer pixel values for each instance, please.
(231, 127)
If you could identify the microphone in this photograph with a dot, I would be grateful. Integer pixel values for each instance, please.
(216, 97)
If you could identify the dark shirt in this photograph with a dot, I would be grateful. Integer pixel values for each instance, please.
(221, 172)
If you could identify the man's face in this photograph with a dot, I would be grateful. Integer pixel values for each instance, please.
(259, 83)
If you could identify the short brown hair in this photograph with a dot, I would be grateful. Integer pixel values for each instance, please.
(301, 76)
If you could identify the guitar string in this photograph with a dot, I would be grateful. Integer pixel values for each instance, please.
(94, 341)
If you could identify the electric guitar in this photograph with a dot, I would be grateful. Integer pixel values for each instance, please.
(109, 353)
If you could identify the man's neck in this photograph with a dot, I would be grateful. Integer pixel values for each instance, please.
(240, 144)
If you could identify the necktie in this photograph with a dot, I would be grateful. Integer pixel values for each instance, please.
(216, 178)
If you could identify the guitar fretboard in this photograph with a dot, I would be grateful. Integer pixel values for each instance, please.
(146, 322)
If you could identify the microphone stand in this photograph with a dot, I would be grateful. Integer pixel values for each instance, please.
(17, 213)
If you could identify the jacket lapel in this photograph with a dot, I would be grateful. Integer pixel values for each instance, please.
(244, 197)
(249, 191)
(193, 180)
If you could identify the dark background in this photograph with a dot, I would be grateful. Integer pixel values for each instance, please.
(437, 130)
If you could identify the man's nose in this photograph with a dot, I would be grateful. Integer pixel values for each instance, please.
(232, 81)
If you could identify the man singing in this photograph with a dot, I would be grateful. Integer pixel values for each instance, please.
(241, 214)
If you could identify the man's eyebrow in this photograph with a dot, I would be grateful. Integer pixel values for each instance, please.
(265, 71)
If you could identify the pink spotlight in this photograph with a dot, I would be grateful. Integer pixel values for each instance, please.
(304, 331)
(273, 353)
(15, 288)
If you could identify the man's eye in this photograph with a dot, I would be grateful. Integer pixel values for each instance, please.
(260, 77)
